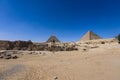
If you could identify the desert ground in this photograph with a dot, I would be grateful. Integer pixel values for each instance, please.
(95, 64)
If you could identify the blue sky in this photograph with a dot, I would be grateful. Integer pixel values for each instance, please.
(69, 20)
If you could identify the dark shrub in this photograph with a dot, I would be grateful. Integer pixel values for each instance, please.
(118, 38)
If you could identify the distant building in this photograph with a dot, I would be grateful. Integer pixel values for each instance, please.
(90, 36)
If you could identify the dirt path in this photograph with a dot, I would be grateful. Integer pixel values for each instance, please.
(15, 69)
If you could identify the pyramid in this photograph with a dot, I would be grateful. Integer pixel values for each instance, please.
(90, 36)
(53, 39)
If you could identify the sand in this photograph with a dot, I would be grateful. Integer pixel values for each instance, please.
(96, 64)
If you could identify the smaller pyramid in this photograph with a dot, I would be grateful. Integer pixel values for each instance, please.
(90, 36)
(53, 39)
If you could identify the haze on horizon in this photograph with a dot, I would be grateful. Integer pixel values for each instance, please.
(69, 20)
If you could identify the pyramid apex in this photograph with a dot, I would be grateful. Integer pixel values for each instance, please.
(90, 31)
(52, 35)
(53, 38)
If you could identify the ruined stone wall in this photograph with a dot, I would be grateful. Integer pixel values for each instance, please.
(14, 45)
(28, 45)
(4, 45)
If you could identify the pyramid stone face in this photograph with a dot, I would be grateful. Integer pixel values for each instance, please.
(90, 36)
(53, 39)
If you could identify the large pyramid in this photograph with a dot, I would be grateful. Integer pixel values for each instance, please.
(53, 39)
(90, 36)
